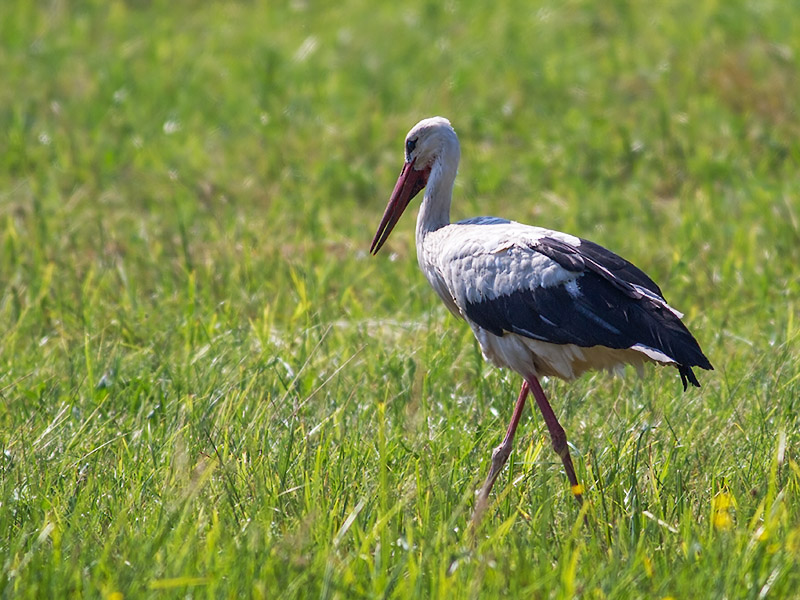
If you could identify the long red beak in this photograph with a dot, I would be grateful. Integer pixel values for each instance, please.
(408, 185)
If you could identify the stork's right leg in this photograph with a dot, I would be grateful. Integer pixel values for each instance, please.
(558, 437)
(500, 455)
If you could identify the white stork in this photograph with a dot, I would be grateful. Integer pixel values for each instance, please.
(541, 302)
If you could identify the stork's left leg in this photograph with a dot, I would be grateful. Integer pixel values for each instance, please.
(557, 435)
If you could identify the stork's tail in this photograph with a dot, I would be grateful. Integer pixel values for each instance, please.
(688, 376)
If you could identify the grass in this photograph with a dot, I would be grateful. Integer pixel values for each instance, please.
(209, 389)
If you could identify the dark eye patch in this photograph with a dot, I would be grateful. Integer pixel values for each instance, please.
(410, 145)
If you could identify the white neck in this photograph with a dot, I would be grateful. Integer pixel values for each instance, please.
(435, 210)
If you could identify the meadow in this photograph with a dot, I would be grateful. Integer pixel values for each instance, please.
(209, 389)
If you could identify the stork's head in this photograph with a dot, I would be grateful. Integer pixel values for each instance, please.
(426, 144)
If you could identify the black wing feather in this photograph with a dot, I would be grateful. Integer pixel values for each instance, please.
(608, 311)
(612, 267)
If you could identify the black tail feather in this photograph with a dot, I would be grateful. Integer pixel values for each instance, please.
(688, 376)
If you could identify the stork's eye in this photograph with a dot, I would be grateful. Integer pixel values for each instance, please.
(410, 145)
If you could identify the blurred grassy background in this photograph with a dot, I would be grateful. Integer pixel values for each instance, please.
(209, 389)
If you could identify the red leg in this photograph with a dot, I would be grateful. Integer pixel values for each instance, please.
(500, 454)
(557, 435)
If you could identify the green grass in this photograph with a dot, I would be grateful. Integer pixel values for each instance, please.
(209, 389)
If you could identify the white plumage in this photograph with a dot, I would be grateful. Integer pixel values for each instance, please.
(470, 263)
(541, 302)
